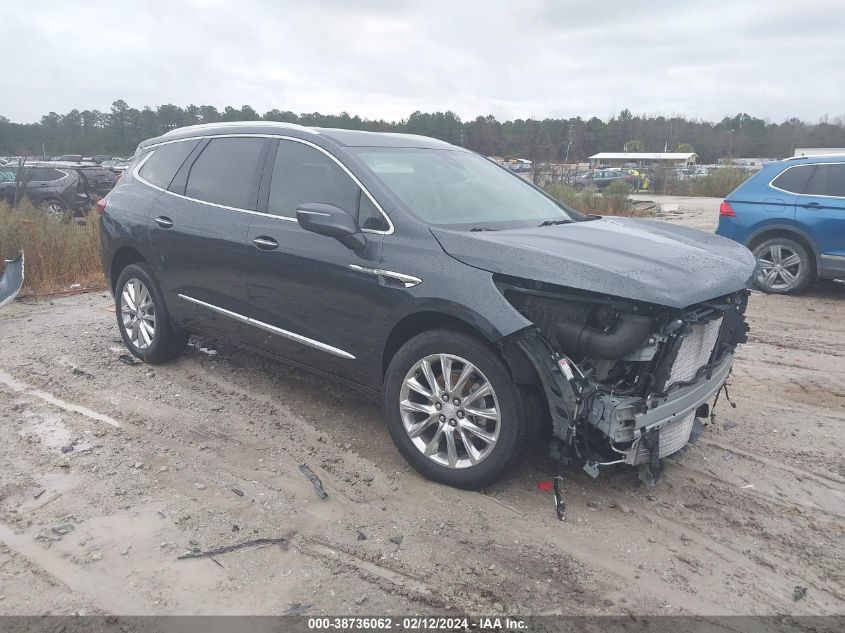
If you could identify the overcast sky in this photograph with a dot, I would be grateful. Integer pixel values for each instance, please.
(385, 59)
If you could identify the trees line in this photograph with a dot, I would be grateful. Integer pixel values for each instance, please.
(119, 131)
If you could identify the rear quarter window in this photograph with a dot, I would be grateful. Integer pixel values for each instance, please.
(794, 179)
(160, 168)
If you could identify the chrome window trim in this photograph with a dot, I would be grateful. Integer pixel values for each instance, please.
(409, 281)
(271, 328)
(811, 195)
(135, 173)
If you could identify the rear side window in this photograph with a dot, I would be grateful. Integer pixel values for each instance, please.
(226, 173)
(794, 179)
(166, 160)
(827, 180)
(302, 174)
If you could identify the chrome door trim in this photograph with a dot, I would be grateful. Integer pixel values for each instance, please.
(409, 281)
(272, 328)
(136, 170)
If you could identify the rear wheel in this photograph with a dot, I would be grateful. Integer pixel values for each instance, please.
(453, 410)
(143, 318)
(785, 266)
(56, 208)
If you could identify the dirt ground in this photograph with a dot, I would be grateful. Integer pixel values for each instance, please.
(111, 471)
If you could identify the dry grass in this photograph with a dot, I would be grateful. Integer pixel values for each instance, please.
(58, 253)
(613, 200)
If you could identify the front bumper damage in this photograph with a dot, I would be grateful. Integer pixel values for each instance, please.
(678, 367)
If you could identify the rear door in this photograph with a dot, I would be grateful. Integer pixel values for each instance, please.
(784, 190)
(821, 209)
(308, 303)
(198, 229)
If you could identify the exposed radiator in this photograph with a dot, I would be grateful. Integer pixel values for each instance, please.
(673, 437)
(694, 352)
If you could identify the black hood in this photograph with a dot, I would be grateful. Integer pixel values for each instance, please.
(645, 260)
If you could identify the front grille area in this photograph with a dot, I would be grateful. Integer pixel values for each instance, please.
(694, 352)
(673, 437)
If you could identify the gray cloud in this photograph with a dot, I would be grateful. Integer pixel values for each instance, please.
(385, 59)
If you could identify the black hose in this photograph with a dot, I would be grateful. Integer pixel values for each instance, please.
(626, 336)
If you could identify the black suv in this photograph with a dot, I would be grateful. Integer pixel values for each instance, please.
(477, 307)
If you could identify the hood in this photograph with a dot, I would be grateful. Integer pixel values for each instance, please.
(644, 260)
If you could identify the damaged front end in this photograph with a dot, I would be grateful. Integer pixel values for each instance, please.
(625, 380)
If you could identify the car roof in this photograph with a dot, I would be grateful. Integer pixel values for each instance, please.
(820, 158)
(346, 138)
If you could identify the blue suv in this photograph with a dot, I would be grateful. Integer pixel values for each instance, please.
(791, 215)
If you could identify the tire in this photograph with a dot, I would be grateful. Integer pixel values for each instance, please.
(159, 343)
(775, 276)
(464, 467)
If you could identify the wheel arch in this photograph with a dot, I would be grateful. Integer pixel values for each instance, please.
(789, 232)
(123, 256)
(424, 320)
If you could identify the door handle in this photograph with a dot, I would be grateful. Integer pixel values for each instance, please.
(164, 222)
(265, 243)
(812, 205)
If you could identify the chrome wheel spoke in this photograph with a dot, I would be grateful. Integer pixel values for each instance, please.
(458, 387)
(446, 368)
(451, 448)
(479, 432)
(481, 392)
(473, 453)
(776, 253)
(415, 430)
(787, 276)
(434, 444)
(428, 372)
(790, 261)
(416, 407)
(490, 414)
(414, 385)
(771, 277)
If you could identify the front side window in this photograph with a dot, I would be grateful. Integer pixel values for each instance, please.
(449, 187)
(302, 174)
(226, 173)
(794, 179)
(161, 167)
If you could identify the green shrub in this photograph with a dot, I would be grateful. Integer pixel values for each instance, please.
(613, 200)
(720, 182)
(58, 253)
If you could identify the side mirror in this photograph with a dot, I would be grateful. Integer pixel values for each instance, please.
(331, 221)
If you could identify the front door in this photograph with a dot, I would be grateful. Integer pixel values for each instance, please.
(821, 208)
(307, 302)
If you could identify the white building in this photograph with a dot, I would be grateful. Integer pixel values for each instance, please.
(644, 159)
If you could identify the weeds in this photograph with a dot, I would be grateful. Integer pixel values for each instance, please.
(58, 253)
(612, 200)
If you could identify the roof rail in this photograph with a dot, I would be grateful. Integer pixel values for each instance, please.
(216, 126)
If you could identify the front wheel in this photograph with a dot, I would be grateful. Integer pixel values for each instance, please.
(143, 318)
(453, 410)
(785, 266)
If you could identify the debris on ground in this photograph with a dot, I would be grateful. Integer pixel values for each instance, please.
(318, 485)
(11, 281)
(78, 371)
(799, 592)
(258, 542)
(64, 528)
(729, 424)
(554, 485)
(362, 536)
(297, 608)
(126, 359)
(238, 492)
(397, 540)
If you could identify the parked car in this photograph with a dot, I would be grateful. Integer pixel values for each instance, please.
(601, 178)
(70, 158)
(65, 190)
(791, 214)
(475, 306)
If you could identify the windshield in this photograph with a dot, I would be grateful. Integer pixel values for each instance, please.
(459, 188)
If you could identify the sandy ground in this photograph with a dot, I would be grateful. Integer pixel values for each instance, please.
(111, 471)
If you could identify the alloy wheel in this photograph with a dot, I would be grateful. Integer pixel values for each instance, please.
(450, 411)
(137, 313)
(780, 267)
